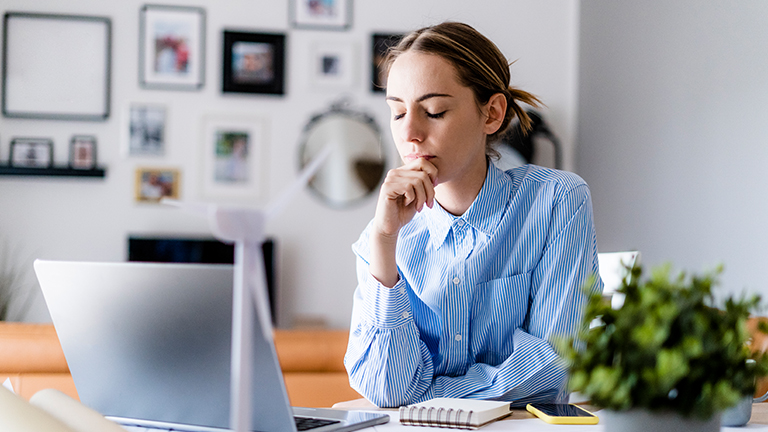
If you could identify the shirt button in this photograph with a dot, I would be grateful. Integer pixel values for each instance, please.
(402, 290)
(406, 315)
(456, 281)
(458, 338)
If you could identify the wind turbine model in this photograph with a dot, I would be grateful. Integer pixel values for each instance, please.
(244, 226)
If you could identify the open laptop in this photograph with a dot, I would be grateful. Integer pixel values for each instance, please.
(148, 345)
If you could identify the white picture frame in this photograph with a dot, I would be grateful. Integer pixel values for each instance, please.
(334, 65)
(321, 15)
(56, 66)
(145, 129)
(233, 160)
(172, 47)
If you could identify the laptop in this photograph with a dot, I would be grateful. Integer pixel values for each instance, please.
(148, 346)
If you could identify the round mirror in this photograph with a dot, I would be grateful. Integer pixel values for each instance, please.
(355, 164)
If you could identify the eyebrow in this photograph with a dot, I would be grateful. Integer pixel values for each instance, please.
(422, 98)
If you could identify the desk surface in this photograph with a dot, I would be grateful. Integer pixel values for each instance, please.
(522, 420)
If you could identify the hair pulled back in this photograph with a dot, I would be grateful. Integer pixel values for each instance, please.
(479, 63)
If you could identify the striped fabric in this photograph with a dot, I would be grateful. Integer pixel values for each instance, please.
(480, 296)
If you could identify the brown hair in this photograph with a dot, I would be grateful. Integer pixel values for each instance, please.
(479, 63)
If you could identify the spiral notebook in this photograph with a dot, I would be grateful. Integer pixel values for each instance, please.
(455, 413)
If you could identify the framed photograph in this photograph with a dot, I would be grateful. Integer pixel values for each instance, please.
(82, 152)
(154, 184)
(333, 65)
(321, 14)
(146, 129)
(233, 159)
(56, 66)
(253, 63)
(31, 153)
(380, 44)
(172, 47)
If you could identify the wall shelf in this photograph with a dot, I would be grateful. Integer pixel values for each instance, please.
(60, 171)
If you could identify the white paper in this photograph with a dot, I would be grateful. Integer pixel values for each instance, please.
(7, 384)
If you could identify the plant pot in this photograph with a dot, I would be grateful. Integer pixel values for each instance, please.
(640, 420)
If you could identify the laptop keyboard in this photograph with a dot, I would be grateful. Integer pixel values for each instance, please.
(307, 423)
(302, 424)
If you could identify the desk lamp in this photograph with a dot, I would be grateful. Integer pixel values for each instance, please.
(244, 226)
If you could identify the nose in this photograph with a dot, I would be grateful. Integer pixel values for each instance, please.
(412, 129)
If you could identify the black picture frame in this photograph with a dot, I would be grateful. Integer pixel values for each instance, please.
(172, 47)
(253, 63)
(380, 44)
(31, 153)
(321, 15)
(56, 67)
(82, 152)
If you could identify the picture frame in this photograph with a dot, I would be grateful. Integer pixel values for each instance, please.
(234, 151)
(334, 65)
(77, 87)
(82, 152)
(154, 184)
(253, 63)
(172, 47)
(31, 153)
(146, 129)
(321, 14)
(380, 44)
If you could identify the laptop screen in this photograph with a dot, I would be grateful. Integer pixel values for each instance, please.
(152, 341)
(201, 250)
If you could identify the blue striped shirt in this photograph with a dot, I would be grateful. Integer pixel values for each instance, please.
(480, 296)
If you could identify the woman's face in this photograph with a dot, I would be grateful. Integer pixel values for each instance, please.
(435, 117)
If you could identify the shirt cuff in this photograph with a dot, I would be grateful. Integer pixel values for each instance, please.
(387, 307)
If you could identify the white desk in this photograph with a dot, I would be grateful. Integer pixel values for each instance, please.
(522, 420)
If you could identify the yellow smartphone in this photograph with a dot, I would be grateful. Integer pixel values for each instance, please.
(562, 413)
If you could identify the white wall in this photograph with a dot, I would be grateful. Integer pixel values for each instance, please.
(80, 219)
(673, 132)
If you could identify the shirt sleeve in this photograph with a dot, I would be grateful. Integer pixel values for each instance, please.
(390, 365)
(386, 360)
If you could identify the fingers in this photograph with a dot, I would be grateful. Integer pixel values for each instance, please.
(405, 191)
(415, 182)
(420, 164)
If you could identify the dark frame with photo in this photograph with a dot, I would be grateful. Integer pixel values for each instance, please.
(31, 153)
(171, 63)
(317, 15)
(380, 44)
(82, 152)
(77, 88)
(253, 63)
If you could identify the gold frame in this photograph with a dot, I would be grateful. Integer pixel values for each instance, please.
(154, 193)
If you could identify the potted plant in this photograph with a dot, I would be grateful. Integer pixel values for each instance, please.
(670, 354)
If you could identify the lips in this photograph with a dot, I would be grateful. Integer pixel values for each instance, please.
(414, 156)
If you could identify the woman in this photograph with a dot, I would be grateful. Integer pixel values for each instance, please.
(466, 273)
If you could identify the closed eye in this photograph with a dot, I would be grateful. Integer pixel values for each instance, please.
(398, 116)
(436, 115)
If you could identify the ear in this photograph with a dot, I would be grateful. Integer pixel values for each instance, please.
(495, 110)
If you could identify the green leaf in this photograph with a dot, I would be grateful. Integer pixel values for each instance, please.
(671, 346)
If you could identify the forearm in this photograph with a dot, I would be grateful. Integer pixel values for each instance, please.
(383, 265)
(386, 359)
(533, 370)
(389, 367)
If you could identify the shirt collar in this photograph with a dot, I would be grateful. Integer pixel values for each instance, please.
(483, 215)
